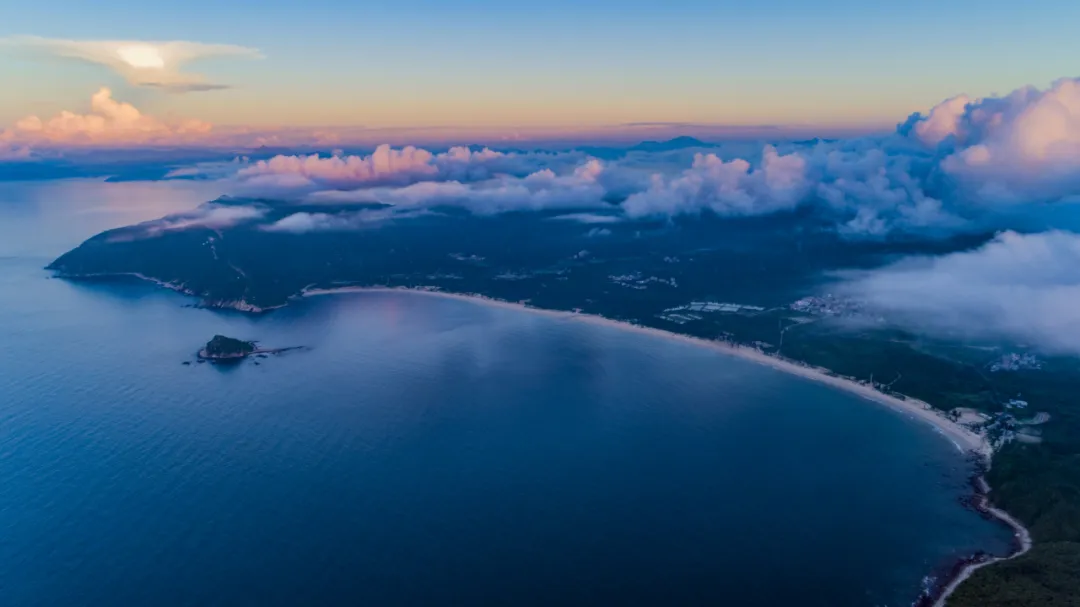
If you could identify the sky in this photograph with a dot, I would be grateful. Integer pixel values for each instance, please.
(546, 66)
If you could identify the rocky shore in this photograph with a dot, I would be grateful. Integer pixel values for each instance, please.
(938, 586)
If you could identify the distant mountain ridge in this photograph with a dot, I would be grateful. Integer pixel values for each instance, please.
(678, 143)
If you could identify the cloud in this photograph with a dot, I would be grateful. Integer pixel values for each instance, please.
(213, 216)
(543, 189)
(304, 222)
(292, 174)
(301, 223)
(141, 63)
(950, 170)
(1017, 287)
(485, 181)
(385, 166)
(966, 165)
(220, 169)
(108, 122)
(942, 122)
(14, 153)
(1023, 147)
(729, 188)
(872, 191)
(589, 218)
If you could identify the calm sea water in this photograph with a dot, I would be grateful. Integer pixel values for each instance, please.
(427, 452)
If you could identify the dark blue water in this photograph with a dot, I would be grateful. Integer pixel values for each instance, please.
(427, 452)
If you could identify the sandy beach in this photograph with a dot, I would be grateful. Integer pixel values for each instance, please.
(963, 438)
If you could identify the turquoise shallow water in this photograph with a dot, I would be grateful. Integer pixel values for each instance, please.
(427, 451)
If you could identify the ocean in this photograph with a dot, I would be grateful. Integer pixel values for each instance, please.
(424, 451)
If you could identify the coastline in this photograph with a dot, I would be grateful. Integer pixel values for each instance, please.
(239, 304)
(1020, 534)
(964, 439)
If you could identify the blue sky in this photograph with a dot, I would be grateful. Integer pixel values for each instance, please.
(556, 63)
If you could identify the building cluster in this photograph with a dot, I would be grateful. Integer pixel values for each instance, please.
(636, 281)
(680, 319)
(1014, 361)
(828, 305)
(692, 311)
(463, 257)
(1016, 403)
(715, 306)
(1001, 430)
(512, 276)
(1002, 427)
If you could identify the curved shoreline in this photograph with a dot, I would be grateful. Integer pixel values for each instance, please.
(964, 439)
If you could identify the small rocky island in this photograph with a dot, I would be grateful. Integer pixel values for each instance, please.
(222, 348)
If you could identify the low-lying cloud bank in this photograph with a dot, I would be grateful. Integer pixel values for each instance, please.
(959, 167)
(966, 164)
(304, 221)
(389, 166)
(1020, 287)
(212, 215)
(543, 189)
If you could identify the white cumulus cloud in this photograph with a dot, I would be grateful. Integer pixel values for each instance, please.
(1019, 287)
(728, 188)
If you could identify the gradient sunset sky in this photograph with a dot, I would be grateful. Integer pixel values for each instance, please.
(557, 63)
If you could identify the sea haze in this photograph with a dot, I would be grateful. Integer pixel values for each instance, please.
(428, 451)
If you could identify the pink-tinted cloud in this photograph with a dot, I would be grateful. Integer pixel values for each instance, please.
(945, 171)
(1022, 147)
(943, 121)
(109, 122)
(385, 166)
